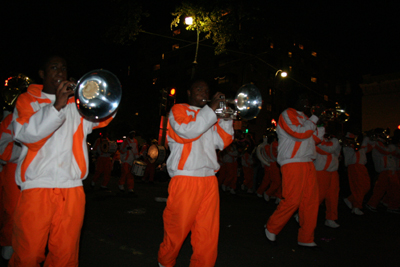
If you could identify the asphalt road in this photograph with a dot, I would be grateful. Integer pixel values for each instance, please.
(121, 230)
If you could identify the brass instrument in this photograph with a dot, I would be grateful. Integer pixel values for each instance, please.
(333, 114)
(97, 94)
(247, 104)
(13, 87)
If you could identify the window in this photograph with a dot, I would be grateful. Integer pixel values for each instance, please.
(325, 97)
(314, 54)
(270, 91)
(290, 68)
(301, 47)
(271, 45)
(176, 32)
(269, 107)
(290, 54)
(313, 79)
(154, 80)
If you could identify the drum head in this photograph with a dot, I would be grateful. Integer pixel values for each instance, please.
(156, 154)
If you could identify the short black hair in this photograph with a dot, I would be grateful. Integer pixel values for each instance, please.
(45, 60)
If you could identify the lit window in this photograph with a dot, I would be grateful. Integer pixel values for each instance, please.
(154, 80)
(176, 32)
(301, 46)
(269, 107)
(313, 79)
(162, 56)
(289, 54)
(271, 45)
(290, 68)
(137, 113)
(270, 91)
(294, 44)
(314, 54)
(175, 46)
(156, 67)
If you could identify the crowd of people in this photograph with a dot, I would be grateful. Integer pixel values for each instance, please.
(45, 158)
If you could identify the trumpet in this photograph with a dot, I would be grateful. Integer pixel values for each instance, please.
(97, 94)
(247, 104)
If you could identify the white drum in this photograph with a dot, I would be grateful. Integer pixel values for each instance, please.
(138, 168)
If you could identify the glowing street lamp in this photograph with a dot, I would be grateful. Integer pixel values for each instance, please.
(189, 21)
(283, 73)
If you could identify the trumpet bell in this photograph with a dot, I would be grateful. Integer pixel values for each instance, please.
(98, 94)
(248, 101)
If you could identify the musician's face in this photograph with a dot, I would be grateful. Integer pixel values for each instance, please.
(55, 71)
(199, 94)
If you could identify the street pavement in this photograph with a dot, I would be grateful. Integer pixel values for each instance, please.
(123, 230)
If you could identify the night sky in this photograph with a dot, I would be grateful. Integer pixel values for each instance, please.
(363, 36)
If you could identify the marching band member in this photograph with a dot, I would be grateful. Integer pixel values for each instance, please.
(150, 170)
(229, 173)
(248, 171)
(275, 188)
(388, 183)
(194, 135)
(266, 180)
(359, 180)
(129, 153)
(326, 165)
(103, 162)
(297, 136)
(10, 193)
(51, 167)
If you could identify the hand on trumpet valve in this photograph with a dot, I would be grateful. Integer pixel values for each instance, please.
(64, 91)
(216, 99)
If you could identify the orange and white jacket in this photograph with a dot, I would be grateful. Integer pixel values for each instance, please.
(129, 155)
(9, 150)
(194, 134)
(298, 136)
(351, 156)
(328, 152)
(384, 157)
(54, 148)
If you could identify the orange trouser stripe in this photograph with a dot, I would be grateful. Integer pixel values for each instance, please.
(192, 205)
(9, 198)
(328, 184)
(299, 191)
(126, 176)
(387, 183)
(103, 165)
(52, 216)
(359, 182)
(265, 181)
(275, 188)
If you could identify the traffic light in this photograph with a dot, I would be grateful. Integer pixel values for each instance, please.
(163, 102)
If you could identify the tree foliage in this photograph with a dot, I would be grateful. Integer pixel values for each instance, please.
(222, 21)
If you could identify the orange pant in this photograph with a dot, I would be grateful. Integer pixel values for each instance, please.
(126, 176)
(231, 174)
(192, 205)
(328, 185)
(275, 188)
(359, 182)
(103, 165)
(150, 171)
(52, 216)
(299, 191)
(387, 183)
(248, 173)
(265, 181)
(10, 196)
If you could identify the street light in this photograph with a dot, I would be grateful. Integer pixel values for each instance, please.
(189, 21)
(283, 73)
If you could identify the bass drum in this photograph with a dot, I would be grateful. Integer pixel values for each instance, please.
(157, 154)
(138, 168)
